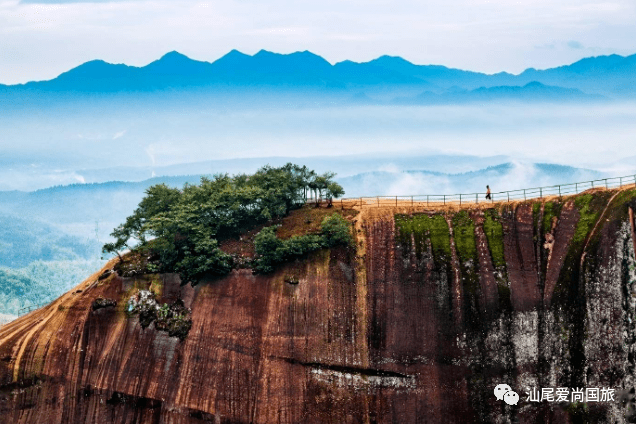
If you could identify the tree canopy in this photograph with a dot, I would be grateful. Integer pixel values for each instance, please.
(184, 227)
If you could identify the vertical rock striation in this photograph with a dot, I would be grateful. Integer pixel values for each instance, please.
(443, 306)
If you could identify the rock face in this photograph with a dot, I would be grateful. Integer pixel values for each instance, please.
(442, 307)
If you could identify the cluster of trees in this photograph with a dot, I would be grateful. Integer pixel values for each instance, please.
(17, 291)
(183, 227)
(40, 281)
(23, 241)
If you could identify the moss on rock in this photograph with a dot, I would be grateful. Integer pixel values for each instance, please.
(493, 229)
(425, 227)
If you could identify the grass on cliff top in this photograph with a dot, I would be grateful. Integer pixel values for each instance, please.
(464, 235)
(425, 227)
(307, 220)
(623, 198)
(617, 212)
(495, 237)
(465, 244)
(590, 207)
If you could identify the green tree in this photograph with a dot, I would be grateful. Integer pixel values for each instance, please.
(182, 228)
(159, 199)
(320, 185)
(334, 190)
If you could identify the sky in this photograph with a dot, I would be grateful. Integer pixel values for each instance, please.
(39, 39)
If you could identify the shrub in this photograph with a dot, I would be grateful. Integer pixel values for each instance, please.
(173, 318)
(336, 230)
(270, 250)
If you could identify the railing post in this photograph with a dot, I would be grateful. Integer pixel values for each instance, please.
(524, 194)
(592, 183)
(540, 192)
(444, 199)
(427, 194)
(460, 200)
(621, 182)
(476, 198)
(559, 191)
(508, 193)
(396, 201)
(411, 200)
(606, 187)
(576, 188)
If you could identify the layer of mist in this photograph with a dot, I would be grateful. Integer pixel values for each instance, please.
(63, 160)
(505, 177)
(54, 147)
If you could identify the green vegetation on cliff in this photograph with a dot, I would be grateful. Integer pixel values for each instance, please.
(464, 235)
(465, 244)
(423, 227)
(271, 250)
(551, 211)
(183, 228)
(589, 207)
(493, 229)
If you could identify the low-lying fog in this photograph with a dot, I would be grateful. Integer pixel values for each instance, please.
(52, 238)
(62, 146)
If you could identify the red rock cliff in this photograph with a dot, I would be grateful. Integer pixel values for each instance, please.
(418, 326)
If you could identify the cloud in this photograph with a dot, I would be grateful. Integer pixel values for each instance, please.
(573, 44)
(484, 36)
(391, 167)
(119, 134)
(514, 176)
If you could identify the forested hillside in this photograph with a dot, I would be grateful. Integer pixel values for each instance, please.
(23, 241)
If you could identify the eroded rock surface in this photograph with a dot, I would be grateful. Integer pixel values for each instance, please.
(441, 309)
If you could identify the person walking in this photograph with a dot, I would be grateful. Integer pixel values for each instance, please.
(488, 193)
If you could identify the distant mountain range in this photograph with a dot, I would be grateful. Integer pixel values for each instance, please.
(531, 92)
(343, 166)
(502, 177)
(385, 80)
(78, 208)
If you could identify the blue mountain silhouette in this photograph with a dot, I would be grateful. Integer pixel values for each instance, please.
(531, 92)
(610, 76)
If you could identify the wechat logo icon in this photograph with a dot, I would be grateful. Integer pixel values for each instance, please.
(504, 392)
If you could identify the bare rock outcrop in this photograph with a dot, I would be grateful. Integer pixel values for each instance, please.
(441, 309)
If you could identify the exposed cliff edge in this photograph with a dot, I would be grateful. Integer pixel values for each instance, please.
(419, 325)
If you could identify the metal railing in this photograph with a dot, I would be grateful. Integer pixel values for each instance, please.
(502, 196)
